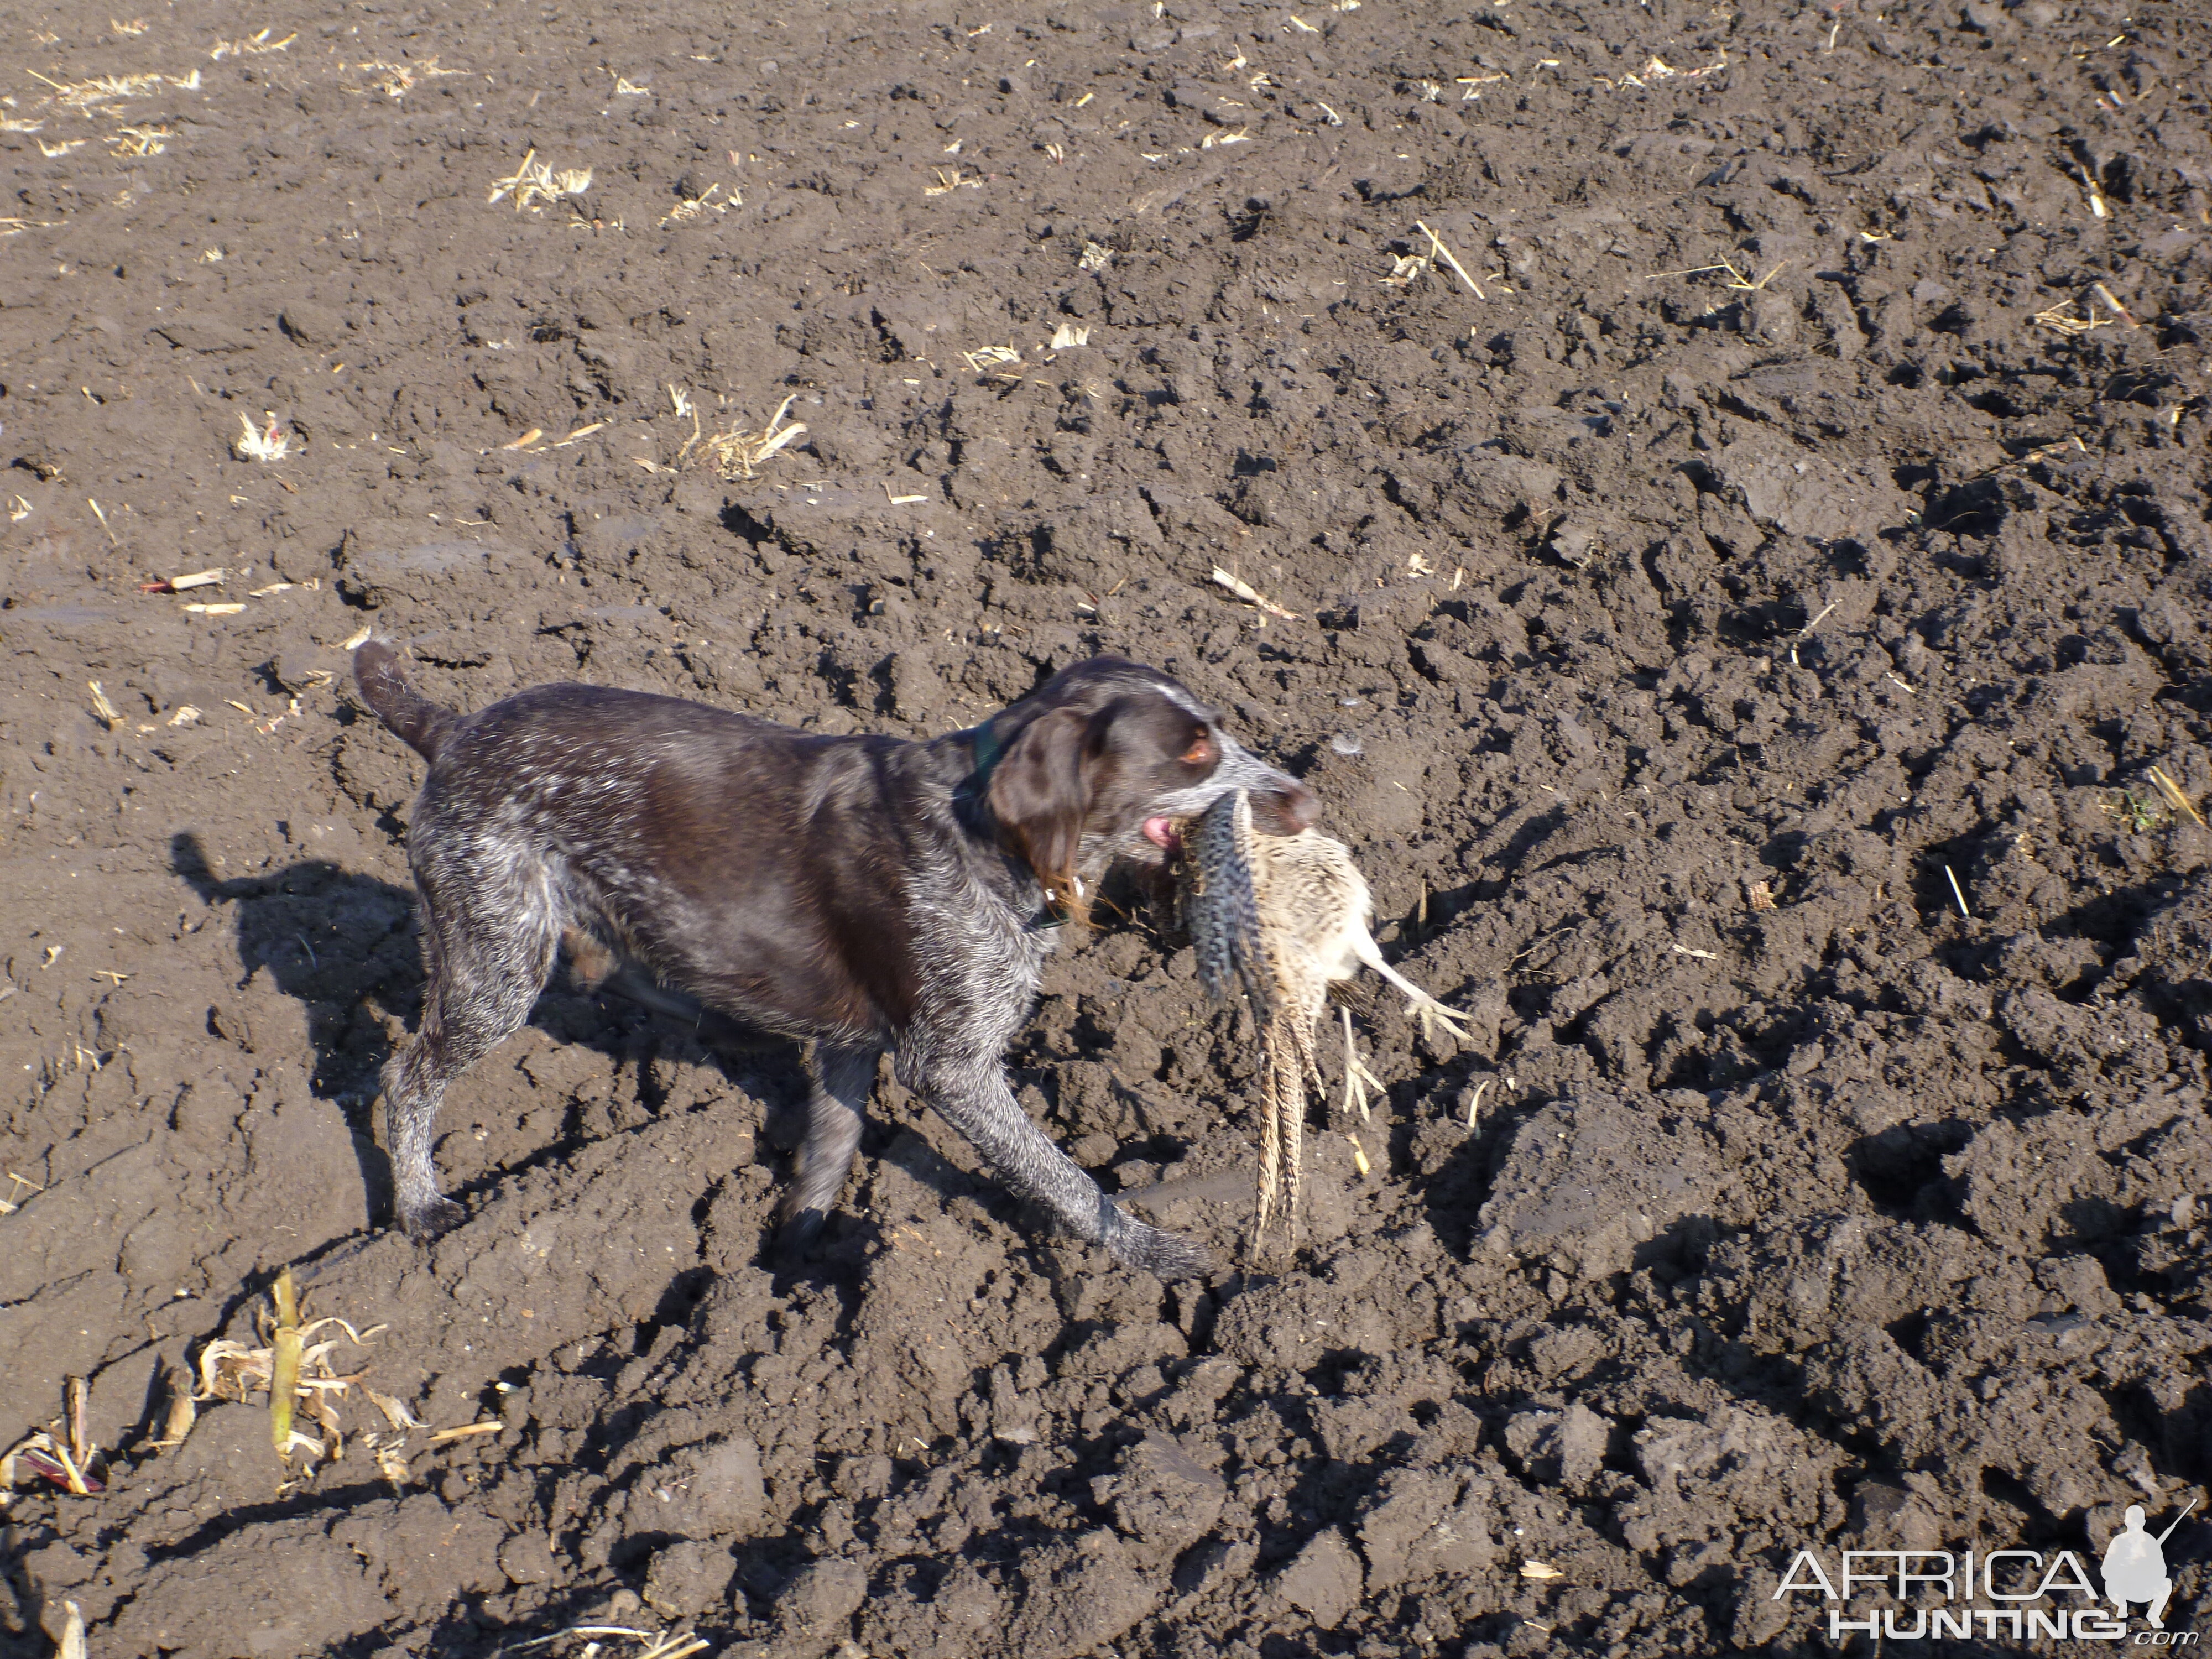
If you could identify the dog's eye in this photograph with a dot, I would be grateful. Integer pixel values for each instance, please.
(1200, 752)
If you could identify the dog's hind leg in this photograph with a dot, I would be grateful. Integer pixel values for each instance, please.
(844, 1075)
(488, 949)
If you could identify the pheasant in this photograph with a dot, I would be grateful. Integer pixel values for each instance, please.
(1282, 917)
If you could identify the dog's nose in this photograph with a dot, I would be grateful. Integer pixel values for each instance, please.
(1285, 808)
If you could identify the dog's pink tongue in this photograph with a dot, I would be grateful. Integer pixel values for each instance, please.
(1161, 834)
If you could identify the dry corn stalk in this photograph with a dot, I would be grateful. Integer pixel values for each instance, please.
(285, 1348)
(292, 1368)
(183, 1411)
(52, 1460)
(1251, 595)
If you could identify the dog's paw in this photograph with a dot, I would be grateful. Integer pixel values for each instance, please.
(424, 1222)
(1165, 1256)
(797, 1231)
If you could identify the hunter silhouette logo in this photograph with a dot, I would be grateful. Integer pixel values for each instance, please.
(2135, 1566)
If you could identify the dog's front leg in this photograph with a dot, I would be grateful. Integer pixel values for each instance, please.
(843, 1076)
(971, 1095)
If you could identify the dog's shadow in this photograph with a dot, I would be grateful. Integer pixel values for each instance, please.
(328, 937)
(339, 942)
(332, 939)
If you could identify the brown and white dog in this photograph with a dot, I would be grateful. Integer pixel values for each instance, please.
(856, 893)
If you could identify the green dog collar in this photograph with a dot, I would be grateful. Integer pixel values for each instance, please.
(988, 752)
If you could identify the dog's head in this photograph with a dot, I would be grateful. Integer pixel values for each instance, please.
(1101, 760)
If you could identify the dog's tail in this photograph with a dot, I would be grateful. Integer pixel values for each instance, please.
(422, 724)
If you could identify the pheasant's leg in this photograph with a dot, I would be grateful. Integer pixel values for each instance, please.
(1430, 1012)
(1355, 1092)
(1433, 1013)
(1358, 1081)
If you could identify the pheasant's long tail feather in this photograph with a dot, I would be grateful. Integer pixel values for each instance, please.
(1304, 1029)
(1271, 1154)
(1289, 1091)
(1287, 1061)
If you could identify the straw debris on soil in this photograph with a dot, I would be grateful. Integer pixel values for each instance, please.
(101, 88)
(533, 180)
(740, 453)
(136, 144)
(1742, 281)
(950, 179)
(1438, 251)
(1251, 595)
(598, 1640)
(2175, 795)
(268, 443)
(252, 45)
(396, 80)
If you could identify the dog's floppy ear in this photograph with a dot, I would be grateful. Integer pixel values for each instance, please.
(1040, 796)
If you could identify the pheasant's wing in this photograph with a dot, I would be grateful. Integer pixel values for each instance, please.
(1314, 897)
(1254, 966)
(1220, 908)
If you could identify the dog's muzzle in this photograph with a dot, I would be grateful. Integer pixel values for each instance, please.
(1281, 805)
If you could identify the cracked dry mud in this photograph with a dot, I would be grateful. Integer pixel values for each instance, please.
(1666, 647)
